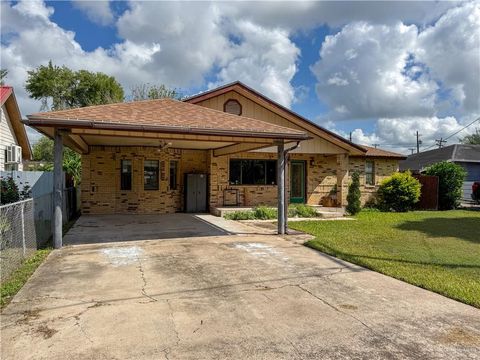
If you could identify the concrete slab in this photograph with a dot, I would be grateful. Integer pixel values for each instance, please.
(91, 229)
(227, 297)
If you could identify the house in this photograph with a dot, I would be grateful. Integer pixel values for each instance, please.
(467, 156)
(14, 144)
(223, 147)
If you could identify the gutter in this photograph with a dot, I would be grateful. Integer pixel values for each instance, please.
(88, 124)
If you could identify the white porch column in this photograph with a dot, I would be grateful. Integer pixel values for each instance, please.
(281, 188)
(57, 189)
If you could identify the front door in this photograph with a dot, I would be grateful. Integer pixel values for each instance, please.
(297, 182)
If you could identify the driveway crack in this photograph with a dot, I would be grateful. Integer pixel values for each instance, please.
(144, 279)
(407, 351)
(166, 351)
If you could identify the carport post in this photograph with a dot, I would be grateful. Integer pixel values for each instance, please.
(281, 188)
(57, 188)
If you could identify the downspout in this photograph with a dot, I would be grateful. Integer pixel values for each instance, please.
(287, 174)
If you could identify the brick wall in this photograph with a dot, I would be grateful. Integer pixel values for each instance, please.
(100, 186)
(101, 192)
(383, 169)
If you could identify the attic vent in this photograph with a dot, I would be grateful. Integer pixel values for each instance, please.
(232, 106)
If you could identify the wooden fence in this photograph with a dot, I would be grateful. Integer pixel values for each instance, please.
(429, 192)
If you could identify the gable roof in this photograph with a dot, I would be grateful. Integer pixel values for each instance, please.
(164, 115)
(281, 110)
(456, 153)
(7, 99)
(380, 153)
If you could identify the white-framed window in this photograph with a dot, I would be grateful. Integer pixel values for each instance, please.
(369, 172)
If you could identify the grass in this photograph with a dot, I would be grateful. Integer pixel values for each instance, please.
(438, 251)
(19, 277)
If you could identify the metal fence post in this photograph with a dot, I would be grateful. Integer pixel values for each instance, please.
(22, 216)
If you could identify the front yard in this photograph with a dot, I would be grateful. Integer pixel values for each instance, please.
(438, 251)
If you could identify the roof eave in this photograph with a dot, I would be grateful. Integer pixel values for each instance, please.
(37, 121)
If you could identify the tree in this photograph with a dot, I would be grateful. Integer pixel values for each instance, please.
(3, 75)
(473, 139)
(150, 92)
(72, 162)
(450, 178)
(353, 196)
(66, 89)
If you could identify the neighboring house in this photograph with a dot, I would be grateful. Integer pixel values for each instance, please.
(136, 156)
(467, 156)
(14, 145)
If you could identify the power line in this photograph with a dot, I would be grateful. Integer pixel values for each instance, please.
(455, 133)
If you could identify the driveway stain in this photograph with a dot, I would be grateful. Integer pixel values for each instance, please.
(122, 256)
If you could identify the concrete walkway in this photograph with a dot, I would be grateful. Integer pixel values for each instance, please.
(248, 296)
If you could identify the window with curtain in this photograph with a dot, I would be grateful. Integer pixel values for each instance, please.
(370, 172)
(126, 175)
(253, 172)
(150, 174)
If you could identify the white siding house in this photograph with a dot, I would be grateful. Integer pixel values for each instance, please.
(12, 131)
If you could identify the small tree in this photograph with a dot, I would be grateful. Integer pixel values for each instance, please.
(3, 75)
(473, 139)
(450, 178)
(9, 191)
(353, 196)
(400, 192)
(151, 92)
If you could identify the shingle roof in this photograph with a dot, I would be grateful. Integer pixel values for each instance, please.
(5, 92)
(165, 115)
(456, 152)
(376, 152)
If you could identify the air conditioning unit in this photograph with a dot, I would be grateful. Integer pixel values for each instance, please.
(14, 154)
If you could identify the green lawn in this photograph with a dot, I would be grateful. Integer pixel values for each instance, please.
(19, 277)
(438, 251)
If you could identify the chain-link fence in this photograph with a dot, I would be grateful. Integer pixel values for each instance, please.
(18, 239)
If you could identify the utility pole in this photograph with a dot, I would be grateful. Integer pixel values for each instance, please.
(412, 150)
(419, 142)
(440, 142)
(350, 136)
(375, 145)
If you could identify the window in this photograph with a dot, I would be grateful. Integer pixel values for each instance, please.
(173, 175)
(369, 172)
(232, 106)
(253, 172)
(126, 175)
(150, 174)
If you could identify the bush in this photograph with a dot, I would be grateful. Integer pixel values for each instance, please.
(400, 192)
(353, 196)
(8, 191)
(302, 210)
(450, 178)
(265, 213)
(240, 215)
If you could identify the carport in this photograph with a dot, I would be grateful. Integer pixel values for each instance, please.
(158, 125)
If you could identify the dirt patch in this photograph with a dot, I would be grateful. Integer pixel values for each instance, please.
(28, 316)
(461, 336)
(348, 306)
(45, 331)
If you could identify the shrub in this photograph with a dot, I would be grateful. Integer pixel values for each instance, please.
(302, 210)
(400, 192)
(240, 215)
(353, 196)
(450, 178)
(8, 191)
(265, 213)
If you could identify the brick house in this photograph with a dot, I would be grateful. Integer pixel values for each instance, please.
(136, 156)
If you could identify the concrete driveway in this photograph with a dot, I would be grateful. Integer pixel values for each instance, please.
(243, 296)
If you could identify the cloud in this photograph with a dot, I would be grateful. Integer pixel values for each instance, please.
(97, 11)
(451, 50)
(365, 71)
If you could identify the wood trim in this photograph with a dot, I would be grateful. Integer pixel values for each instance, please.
(237, 148)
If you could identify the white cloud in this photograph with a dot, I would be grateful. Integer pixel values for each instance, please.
(98, 11)
(451, 50)
(362, 71)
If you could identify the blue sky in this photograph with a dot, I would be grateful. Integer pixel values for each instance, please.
(379, 70)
